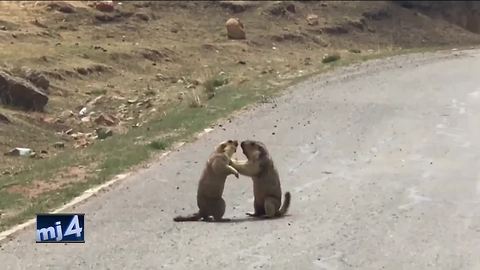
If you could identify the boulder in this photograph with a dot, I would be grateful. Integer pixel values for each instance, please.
(21, 93)
(235, 29)
(38, 79)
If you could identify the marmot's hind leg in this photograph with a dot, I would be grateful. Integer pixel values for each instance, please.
(218, 209)
(271, 206)
(259, 210)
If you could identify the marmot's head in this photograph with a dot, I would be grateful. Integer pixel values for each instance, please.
(254, 150)
(229, 147)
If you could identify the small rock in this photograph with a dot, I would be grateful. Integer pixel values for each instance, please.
(105, 6)
(85, 119)
(235, 29)
(291, 8)
(142, 16)
(104, 119)
(160, 77)
(307, 61)
(103, 133)
(66, 114)
(59, 145)
(4, 119)
(105, 18)
(312, 19)
(241, 62)
(19, 151)
(83, 111)
(81, 143)
(132, 101)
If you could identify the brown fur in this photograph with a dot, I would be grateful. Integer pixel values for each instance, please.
(211, 184)
(266, 181)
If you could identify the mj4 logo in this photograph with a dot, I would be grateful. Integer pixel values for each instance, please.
(55, 233)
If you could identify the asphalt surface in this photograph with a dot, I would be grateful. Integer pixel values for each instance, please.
(382, 160)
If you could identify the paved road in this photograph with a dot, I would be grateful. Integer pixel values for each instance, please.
(382, 159)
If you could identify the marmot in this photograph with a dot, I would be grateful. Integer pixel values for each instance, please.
(266, 182)
(212, 182)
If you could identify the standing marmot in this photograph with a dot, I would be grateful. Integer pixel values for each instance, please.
(266, 182)
(211, 184)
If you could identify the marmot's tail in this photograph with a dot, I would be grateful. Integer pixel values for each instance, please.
(192, 217)
(286, 204)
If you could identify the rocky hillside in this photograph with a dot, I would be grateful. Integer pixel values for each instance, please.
(465, 14)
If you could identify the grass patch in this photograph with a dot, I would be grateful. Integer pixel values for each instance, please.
(158, 145)
(195, 100)
(330, 58)
(97, 92)
(212, 83)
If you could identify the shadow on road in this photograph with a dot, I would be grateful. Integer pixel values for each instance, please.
(249, 219)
